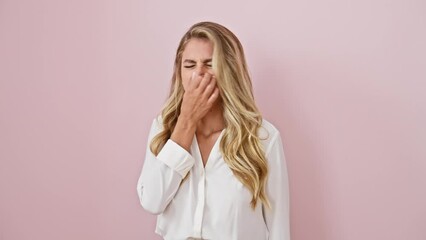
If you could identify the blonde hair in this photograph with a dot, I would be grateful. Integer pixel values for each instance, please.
(240, 145)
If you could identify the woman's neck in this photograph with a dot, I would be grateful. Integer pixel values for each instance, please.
(212, 122)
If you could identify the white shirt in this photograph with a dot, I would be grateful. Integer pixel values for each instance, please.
(212, 203)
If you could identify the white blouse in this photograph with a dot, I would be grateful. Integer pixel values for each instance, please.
(212, 203)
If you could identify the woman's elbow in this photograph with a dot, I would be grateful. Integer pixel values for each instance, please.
(152, 207)
(150, 204)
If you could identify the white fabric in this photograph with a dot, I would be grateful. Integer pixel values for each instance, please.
(212, 203)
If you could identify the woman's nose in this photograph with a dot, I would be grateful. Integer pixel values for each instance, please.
(202, 70)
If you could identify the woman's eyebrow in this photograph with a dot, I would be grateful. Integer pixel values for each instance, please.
(193, 61)
(188, 61)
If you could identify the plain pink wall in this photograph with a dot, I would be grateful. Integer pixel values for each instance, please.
(80, 82)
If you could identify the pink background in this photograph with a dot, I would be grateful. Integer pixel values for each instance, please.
(81, 81)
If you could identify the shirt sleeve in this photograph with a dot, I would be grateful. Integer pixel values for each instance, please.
(277, 218)
(161, 175)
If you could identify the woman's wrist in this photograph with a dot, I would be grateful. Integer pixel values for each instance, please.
(186, 122)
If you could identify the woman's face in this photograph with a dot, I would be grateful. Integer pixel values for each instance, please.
(197, 56)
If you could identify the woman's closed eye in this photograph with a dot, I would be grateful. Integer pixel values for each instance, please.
(191, 66)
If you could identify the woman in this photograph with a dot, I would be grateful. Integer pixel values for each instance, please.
(214, 168)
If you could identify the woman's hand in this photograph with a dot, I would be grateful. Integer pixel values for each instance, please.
(198, 98)
(202, 92)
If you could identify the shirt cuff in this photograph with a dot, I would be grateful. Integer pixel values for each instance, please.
(176, 157)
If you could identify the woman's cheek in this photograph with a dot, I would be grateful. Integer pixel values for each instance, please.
(185, 82)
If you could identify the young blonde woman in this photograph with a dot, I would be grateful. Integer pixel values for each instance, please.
(214, 168)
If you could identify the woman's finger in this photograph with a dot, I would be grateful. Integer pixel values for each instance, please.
(214, 96)
(210, 88)
(194, 80)
(204, 81)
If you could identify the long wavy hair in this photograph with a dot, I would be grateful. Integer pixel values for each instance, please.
(240, 145)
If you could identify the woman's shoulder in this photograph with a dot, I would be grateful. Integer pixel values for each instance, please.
(268, 129)
(158, 119)
(157, 123)
(267, 133)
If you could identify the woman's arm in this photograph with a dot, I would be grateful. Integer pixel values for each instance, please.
(161, 176)
(277, 189)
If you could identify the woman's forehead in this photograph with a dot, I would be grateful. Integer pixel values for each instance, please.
(198, 49)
